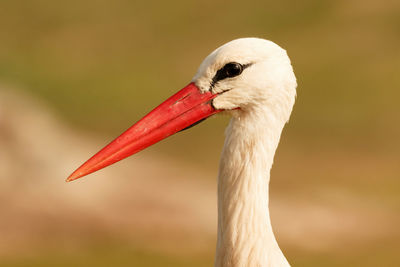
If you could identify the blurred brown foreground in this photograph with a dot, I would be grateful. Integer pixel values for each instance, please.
(155, 206)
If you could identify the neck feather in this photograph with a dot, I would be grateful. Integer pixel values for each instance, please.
(245, 236)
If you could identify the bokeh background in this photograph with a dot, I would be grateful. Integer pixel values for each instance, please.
(74, 74)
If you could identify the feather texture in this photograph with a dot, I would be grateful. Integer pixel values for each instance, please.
(260, 101)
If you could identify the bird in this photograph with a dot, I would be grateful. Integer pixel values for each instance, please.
(252, 80)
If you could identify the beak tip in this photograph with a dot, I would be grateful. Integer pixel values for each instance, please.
(69, 179)
(74, 176)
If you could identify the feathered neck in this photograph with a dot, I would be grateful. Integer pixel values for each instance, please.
(245, 236)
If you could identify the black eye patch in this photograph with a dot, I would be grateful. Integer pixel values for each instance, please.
(230, 70)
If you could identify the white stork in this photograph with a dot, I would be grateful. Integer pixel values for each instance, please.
(251, 79)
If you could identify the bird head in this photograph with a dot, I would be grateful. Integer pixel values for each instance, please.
(247, 74)
(241, 76)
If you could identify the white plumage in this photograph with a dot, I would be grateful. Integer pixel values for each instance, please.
(260, 101)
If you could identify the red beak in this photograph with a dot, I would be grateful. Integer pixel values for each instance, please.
(178, 112)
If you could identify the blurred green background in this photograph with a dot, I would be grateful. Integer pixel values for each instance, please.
(100, 65)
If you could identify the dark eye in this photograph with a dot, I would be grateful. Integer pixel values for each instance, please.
(232, 69)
